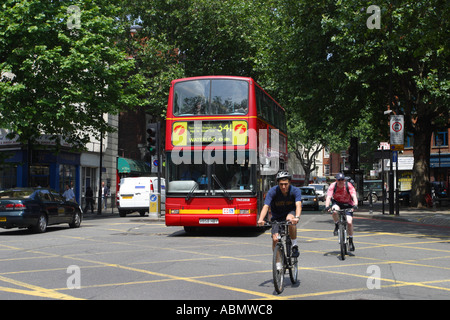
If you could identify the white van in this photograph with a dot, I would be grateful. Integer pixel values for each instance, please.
(134, 194)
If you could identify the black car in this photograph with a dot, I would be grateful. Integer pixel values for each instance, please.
(37, 208)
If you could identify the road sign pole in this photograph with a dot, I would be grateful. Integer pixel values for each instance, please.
(391, 186)
(397, 208)
(158, 155)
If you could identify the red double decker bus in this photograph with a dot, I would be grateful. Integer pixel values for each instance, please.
(225, 141)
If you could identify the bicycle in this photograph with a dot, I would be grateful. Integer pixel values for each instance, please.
(282, 258)
(342, 230)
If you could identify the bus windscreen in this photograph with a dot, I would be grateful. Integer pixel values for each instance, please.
(211, 97)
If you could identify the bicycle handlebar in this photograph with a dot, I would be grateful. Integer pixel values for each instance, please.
(286, 222)
(341, 210)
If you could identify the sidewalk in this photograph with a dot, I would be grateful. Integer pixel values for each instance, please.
(111, 213)
(431, 216)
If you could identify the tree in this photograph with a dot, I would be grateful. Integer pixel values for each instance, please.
(188, 38)
(334, 71)
(407, 58)
(68, 68)
(305, 145)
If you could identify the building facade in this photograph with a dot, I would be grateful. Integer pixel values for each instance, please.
(47, 168)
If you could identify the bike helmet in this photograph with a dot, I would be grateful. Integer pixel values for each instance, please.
(283, 175)
(340, 176)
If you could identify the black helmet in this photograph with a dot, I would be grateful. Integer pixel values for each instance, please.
(283, 175)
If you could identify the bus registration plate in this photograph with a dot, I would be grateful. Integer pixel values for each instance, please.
(208, 221)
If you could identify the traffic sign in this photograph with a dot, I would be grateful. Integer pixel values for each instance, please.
(397, 132)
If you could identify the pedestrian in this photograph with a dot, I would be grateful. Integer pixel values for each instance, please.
(89, 196)
(105, 194)
(68, 194)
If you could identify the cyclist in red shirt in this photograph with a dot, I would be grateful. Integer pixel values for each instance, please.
(343, 196)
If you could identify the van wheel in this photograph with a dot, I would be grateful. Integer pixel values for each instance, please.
(122, 213)
(374, 197)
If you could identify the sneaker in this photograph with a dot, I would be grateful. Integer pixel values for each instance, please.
(336, 227)
(295, 252)
(351, 246)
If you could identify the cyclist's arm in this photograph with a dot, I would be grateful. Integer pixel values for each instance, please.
(353, 194)
(298, 212)
(263, 214)
(355, 200)
(298, 209)
(329, 194)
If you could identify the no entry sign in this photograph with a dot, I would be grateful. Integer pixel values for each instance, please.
(397, 135)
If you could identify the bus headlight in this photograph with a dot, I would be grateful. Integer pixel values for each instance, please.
(175, 211)
(244, 211)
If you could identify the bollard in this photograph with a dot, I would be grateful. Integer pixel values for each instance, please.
(155, 205)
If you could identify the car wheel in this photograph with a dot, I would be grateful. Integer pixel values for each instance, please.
(41, 225)
(76, 222)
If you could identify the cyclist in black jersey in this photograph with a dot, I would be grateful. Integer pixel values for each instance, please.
(285, 203)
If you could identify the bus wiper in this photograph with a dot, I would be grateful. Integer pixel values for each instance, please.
(191, 192)
(221, 187)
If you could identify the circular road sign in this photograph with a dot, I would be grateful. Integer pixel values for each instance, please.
(397, 127)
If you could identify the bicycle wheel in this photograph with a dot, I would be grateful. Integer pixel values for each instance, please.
(293, 270)
(342, 241)
(278, 268)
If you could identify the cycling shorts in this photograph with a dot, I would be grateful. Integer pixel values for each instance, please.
(276, 227)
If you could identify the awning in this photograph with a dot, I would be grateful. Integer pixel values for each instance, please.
(444, 159)
(132, 166)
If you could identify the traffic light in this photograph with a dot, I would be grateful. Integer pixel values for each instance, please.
(353, 153)
(152, 138)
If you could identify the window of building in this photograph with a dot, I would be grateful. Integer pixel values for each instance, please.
(440, 138)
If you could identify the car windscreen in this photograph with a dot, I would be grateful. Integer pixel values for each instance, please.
(307, 192)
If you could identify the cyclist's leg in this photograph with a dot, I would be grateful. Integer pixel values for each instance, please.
(350, 225)
(350, 230)
(292, 228)
(335, 215)
(293, 235)
(275, 232)
(335, 206)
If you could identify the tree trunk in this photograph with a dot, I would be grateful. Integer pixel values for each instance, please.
(421, 169)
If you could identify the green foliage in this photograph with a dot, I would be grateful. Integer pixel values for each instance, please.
(66, 76)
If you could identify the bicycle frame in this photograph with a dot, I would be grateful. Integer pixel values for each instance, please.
(342, 231)
(288, 262)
